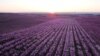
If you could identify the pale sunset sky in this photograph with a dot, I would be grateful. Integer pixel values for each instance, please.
(49, 5)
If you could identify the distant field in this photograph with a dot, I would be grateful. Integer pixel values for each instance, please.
(10, 22)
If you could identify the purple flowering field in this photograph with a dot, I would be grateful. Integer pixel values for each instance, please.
(31, 34)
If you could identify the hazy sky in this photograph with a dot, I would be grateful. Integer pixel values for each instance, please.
(49, 5)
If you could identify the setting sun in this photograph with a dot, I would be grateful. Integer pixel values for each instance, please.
(51, 6)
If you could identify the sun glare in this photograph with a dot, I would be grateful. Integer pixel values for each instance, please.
(50, 6)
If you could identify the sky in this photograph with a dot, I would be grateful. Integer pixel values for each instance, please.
(50, 6)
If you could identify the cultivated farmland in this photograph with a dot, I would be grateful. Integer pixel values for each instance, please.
(57, 35)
